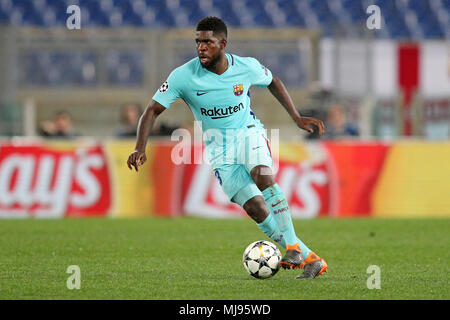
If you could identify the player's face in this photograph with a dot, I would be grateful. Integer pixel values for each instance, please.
(209, 48)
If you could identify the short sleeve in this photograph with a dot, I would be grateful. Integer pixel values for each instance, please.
(259, 75)
(169, 91)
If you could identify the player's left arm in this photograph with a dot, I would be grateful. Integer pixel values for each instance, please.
(279, 91)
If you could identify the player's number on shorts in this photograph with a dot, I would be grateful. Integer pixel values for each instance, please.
(216, 173)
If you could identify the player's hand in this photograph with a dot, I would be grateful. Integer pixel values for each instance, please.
(305, 124)
(136, 159)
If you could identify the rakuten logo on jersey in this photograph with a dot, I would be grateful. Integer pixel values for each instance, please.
(218, 113)
(46, 182)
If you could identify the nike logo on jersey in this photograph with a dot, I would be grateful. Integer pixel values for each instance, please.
(256, 148)
(201, 93)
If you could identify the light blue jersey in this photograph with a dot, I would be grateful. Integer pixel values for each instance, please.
(235, 139)
(219, 101)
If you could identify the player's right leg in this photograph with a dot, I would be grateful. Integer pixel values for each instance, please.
(240, 188)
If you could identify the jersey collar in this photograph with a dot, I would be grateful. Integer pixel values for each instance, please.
(230, 59)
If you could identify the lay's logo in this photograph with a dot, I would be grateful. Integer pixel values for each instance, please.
(238, 89)
(45, 181)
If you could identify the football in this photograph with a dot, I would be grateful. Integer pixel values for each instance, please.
(262, 259)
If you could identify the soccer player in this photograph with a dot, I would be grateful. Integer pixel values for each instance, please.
(215, 86)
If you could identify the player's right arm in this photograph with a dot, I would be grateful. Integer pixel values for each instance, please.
(169, 92)
(145, 125)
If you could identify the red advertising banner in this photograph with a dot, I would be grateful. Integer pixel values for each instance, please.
(53, 181)
(168, 178)
(356, 169)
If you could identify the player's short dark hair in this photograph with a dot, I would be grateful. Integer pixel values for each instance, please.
(214, 24)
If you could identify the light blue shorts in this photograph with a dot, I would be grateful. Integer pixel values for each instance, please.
(233, 163)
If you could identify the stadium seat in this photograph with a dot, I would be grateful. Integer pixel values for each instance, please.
(244, 13)
(124, 68)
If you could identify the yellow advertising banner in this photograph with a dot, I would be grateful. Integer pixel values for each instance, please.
(133, 190)
(414, 181)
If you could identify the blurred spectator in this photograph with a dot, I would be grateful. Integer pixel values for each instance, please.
(315, 113)
(129, 118)
(130, 114)
(60, 126)
(316, 106)
(163, 129)
(336, 124)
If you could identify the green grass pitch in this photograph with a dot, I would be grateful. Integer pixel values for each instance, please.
(193, 258)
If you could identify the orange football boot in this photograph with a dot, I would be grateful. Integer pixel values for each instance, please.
(313, 265)
(293, 257)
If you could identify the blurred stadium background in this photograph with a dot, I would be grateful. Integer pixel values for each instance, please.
(384, 95)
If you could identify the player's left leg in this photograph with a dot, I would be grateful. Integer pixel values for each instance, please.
(258, 162)
(255, 153)
(257, 209)
(296, 250)
(298, 255)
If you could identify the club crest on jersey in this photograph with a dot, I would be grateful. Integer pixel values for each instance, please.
(238, 89)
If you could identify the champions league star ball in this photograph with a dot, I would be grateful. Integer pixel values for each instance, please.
(262, 259)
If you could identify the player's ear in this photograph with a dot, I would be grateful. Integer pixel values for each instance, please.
(223, 43)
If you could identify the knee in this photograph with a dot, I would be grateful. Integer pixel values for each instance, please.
(262, 176)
